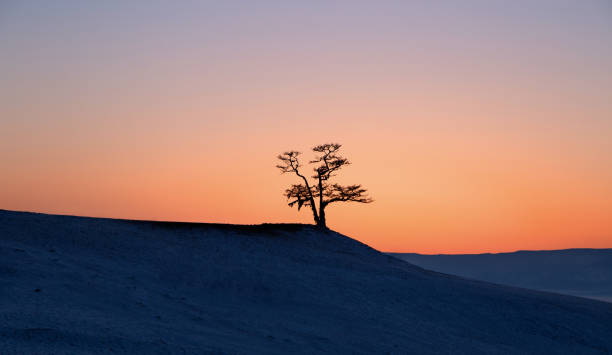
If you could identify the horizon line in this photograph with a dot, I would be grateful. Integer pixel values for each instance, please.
(286, 224)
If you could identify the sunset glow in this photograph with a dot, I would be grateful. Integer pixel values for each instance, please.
(479, 128)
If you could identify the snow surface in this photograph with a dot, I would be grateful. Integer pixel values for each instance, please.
(577, 272)
(73, 285)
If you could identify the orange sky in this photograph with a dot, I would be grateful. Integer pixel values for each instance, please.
(476, 129)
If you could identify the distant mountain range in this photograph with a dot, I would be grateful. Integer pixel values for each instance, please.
(578, 272)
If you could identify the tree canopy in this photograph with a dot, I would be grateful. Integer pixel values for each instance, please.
(327, 163)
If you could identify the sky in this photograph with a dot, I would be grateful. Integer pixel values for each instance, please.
(477, 126)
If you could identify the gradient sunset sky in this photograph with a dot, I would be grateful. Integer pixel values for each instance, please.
(477, 126)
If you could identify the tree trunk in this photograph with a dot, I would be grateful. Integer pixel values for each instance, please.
(321, 223)
(316, 219)
(315, 215)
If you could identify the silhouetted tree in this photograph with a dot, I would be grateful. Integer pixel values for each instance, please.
(306, 194)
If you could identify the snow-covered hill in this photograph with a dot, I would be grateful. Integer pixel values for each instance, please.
(578, 272)
(72, 285)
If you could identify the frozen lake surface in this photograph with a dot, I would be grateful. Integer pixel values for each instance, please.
(578, 272)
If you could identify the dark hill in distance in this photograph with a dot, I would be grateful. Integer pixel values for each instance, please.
(88, 285)
(578, 272)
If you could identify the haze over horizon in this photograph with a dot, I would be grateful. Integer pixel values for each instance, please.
(480, 127)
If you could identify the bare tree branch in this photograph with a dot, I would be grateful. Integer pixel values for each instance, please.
(351, 193)
(300, 194)
(330, 161)
(290, 163)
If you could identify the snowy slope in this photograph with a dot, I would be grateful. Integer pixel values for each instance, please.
(72, 285)
(578, 272)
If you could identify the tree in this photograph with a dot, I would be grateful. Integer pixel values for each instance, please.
(307, 194)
